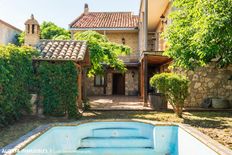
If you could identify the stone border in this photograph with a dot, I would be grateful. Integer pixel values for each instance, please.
(32, 135)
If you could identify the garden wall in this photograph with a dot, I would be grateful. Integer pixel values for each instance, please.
(208, 81)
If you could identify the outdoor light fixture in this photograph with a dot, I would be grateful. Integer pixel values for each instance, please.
(163, 19)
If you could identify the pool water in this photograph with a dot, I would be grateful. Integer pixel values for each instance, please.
(117, 138)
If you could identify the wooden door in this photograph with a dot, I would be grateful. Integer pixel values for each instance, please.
(118, 84)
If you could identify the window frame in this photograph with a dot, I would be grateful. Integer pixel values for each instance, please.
(102, 82)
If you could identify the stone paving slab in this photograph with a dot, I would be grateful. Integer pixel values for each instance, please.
(117, 103)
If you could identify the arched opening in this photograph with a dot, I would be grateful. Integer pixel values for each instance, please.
(33, 28)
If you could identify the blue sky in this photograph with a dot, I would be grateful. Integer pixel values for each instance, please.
(61, 12)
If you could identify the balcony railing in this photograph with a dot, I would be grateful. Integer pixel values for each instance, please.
(155, 42)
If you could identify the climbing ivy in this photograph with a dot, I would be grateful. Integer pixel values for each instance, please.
(15, 77)
(103, 52)
(58, 87)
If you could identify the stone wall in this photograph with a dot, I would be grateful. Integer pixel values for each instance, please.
(131, 40)
(131, 84)
(91, 89)
(208, 81)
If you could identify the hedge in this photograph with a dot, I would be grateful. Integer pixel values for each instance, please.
(15, 77)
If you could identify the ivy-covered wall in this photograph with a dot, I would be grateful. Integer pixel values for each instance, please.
(57, 83)
(15, 77)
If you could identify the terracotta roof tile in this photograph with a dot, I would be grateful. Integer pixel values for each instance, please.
(106, 20)
(62, 50)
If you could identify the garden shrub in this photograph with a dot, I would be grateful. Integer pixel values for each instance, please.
(15, 77)
(174, 87)
(58, 86)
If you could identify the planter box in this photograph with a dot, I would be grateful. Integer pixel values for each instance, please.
(157, 101)
(220, 103)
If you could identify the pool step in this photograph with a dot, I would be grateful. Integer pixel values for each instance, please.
(116, 151)
(122, 142)
(115, 132)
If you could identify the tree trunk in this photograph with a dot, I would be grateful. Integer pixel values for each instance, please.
(179, 110)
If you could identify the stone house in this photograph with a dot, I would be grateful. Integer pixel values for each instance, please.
(143, 34)
(8, 33)
(119, 27)
(125, 28)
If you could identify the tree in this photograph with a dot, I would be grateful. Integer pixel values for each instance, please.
(51, 31)
(20, 38)
(103, 52)
(200, 31)
(48, 31)
(174, 87)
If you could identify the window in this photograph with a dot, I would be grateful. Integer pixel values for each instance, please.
(33, 28)
(28, 28)
(99, 81)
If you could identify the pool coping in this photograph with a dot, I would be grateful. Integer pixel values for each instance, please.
(26, 139)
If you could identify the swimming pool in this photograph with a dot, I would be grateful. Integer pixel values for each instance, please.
(117, 138)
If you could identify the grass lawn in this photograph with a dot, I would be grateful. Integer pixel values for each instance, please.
(217, 125)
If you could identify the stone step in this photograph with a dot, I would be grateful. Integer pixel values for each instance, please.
(116, 132)
(116, 151)
(120, 142)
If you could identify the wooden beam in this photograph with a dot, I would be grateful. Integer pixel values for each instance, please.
(141, 80)
(84, 84)
(79, 87)
(145, 81)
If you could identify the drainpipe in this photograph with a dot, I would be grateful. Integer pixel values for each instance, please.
(145, 48)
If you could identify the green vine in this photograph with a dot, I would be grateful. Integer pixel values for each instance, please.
(15, 77)
(58, 86)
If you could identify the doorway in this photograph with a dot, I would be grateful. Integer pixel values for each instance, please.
(118, 84)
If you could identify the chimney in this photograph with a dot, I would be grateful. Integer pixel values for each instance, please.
(86, 9)
(32, 32)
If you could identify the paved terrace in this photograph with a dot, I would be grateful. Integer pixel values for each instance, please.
(117, 103)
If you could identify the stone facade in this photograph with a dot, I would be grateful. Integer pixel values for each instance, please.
(131, 40)
(96, 90)
(131, 76)
(208, 81)
(131, 84)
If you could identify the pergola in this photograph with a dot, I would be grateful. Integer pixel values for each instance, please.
(56, 51)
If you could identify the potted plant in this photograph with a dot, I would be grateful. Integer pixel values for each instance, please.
(157, 100)
(174, 87)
